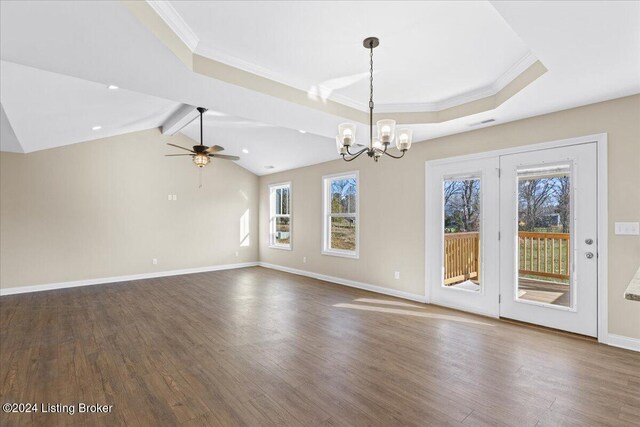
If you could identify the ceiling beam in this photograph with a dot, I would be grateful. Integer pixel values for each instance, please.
(185, 115)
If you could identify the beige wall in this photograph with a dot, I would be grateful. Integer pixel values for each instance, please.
(99, 209)
(392, 213)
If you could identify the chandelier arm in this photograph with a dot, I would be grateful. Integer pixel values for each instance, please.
(356, 153)
(395, 157)
(354, 156)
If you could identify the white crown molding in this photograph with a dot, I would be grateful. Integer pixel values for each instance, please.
(173, 19)
(507, 77)
(178, 25)
(233, 61)
(120, 279)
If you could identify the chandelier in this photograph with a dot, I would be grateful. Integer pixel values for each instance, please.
(387, 132)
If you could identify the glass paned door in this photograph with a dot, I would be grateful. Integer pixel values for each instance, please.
(548, 251)
(462, 235)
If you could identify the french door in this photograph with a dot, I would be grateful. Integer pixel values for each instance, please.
(548, 247)
(514, 236)
(462, 235)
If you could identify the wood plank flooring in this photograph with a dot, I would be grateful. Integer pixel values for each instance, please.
(259, 347)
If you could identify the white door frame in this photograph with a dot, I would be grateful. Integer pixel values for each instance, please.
(602, 212)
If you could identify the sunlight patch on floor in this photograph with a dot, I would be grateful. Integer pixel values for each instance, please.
(386, 302)
(410, 313)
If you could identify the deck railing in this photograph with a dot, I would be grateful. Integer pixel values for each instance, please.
(462, 257)
(540, 254)
(544, 254)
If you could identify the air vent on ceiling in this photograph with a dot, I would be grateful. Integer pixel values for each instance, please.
(483, 122)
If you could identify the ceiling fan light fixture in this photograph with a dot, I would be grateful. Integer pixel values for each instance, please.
(201, 160)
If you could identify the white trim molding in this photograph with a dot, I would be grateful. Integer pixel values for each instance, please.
(172, 18)
(121, 279)
(346, 282)
(627, 343)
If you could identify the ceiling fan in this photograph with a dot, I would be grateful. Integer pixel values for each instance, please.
(201, 153)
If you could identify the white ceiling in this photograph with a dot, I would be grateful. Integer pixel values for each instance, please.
(59, 57)
(430, 52)
(265, 143)
(49, 110)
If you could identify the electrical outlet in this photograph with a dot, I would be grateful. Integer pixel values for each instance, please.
(169, 197)
(304, 259)
(154, 261)
(175, 197)
(397, 275)
(237, 253)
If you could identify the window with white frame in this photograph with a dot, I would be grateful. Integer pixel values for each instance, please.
(340, 214)
(280, 215)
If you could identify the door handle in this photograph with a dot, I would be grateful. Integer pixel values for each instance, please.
(589, 255)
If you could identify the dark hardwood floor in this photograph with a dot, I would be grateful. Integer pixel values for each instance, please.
(260, 347)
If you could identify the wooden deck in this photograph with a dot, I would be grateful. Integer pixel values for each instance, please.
(545, 292)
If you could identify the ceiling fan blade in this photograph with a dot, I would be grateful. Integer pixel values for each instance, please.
(171, 155)
(214, 149)
(224, 156)
(177, 146)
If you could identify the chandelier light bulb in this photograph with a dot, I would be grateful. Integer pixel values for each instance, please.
(347, 133)
(403, 142)
(386, 130)
(341, 148)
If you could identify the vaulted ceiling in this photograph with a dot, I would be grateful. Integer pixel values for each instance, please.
(268, 70)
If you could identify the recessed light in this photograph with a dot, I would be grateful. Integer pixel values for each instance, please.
(302, 131)
(245, 151)
(112, 87)
(96, 128)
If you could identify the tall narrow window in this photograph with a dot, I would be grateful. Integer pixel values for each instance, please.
(280, 215)
(340, 225)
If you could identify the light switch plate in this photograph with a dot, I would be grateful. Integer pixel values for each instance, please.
(628, 228)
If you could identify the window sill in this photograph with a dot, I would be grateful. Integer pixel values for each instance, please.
(352, 255)
(281, 247)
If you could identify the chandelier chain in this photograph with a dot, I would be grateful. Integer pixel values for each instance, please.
(371, 95)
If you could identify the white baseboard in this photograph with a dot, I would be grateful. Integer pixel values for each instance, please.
(623, 342)
(91, 282)
(346, 282)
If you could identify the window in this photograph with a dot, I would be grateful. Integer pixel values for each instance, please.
(280, 216)
(340, 215)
